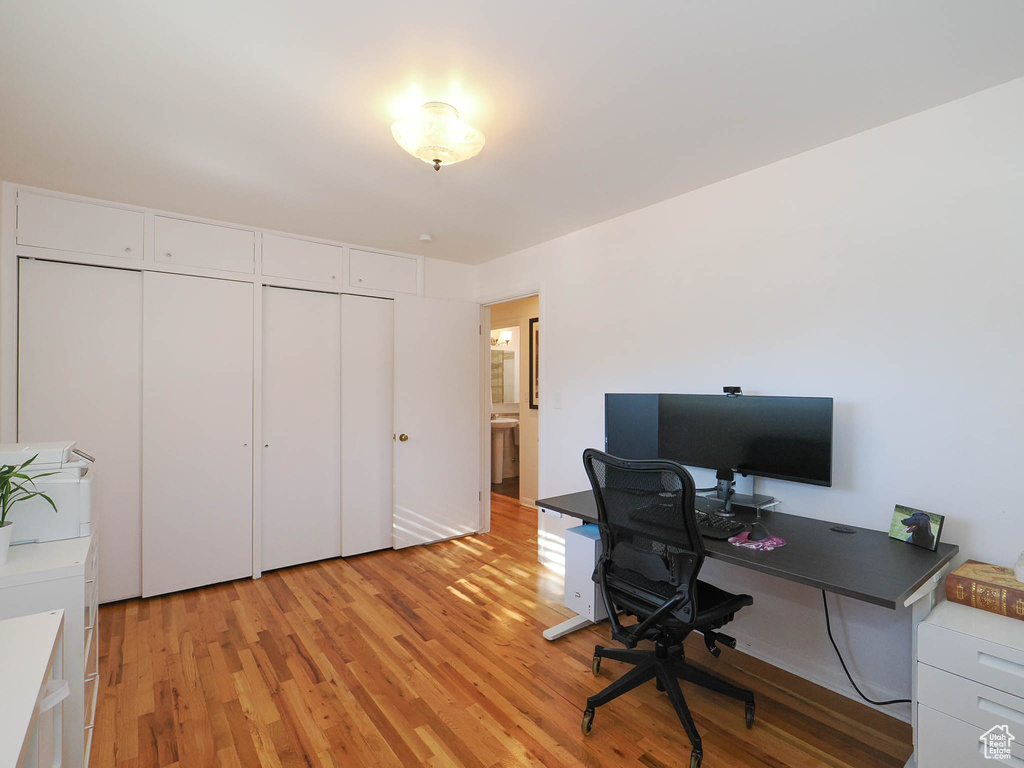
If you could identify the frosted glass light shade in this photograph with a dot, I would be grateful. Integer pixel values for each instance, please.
(437, 135)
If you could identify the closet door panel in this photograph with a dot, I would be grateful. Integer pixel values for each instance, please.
(80, 378)
(367, 396)
(197, 431)
(301, 427)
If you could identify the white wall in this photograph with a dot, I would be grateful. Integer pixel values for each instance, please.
(885, 271)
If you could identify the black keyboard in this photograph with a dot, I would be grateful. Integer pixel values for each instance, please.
(712, 526)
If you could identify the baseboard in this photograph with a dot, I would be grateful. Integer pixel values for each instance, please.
(813, 671)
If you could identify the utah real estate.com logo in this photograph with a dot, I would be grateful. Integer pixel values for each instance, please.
(996, 743)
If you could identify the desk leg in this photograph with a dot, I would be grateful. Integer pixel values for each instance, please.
(922, 603)
(567, 627)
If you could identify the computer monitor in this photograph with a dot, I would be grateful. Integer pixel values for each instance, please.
(787, 438)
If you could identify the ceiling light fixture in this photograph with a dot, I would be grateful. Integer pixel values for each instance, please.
(437, 135)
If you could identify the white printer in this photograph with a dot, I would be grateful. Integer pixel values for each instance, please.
(70, 487)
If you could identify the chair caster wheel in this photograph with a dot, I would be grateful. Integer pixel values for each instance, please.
(695, 759)
(595, 666)
(588, 722)
(750, 715)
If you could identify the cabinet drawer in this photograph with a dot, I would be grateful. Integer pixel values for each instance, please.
(992, 664)
(382, 272)
(302, 260)
(195, 244)
(945, 742)
(967, 700)
(67, 225)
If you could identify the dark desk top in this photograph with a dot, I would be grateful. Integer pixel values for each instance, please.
(866, 565)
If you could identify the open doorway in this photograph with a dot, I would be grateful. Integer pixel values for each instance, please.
(514, 424)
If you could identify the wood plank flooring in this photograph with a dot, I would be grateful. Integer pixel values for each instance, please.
(429, 656)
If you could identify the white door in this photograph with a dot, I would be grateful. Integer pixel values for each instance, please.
(80, 378)
(437, 412)
(197, 431)
(367, 365)
(301, 427)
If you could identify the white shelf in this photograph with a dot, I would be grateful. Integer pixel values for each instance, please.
(27, 647)
(34, 563)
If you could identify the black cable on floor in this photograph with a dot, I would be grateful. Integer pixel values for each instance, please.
(828, 626)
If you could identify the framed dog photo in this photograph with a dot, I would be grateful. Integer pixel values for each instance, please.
(922, 529)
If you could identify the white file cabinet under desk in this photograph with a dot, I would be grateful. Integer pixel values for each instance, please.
(62, 575)
(970, 688)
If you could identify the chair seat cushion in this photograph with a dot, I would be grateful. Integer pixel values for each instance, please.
(715, 605)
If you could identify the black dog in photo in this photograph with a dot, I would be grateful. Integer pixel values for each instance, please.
(919, 526)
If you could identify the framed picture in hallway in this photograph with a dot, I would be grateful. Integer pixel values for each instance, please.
(534, 359)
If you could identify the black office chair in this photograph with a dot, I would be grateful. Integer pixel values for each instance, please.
(651, 555)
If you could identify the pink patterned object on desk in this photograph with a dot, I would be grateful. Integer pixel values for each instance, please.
(766, 545)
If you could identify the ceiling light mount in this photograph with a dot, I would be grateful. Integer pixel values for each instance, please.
(437, 135)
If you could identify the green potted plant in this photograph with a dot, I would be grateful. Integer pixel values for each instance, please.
(15, 487)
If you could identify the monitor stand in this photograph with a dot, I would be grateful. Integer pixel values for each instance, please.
(738, 501)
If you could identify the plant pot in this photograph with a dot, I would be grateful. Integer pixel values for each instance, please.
(5, 540)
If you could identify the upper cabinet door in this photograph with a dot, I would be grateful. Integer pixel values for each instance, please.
(437, 418)
(212, 246)
(302, 260)
(197, 397)
(67, 225)
(382, 272)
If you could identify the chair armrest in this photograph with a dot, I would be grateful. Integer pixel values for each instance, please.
(665, 609)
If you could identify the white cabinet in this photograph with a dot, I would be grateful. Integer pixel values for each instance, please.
(367, 396)
(80, 377)
(382, 272)
(31, 654)
(62, 575)
(970, 688)
(197, 431)
(302, 260)
(302, 427)
(68, 225)
(194, 244)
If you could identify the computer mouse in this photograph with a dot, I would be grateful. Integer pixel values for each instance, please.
(757, 532)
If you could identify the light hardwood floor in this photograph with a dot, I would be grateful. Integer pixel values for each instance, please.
(429, 656)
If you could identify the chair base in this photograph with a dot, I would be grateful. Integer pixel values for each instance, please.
(666, 665)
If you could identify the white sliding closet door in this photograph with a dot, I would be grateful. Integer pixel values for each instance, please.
(368, 333)
(197, 437)
(80, 378)
(437, 408)
(302, 393)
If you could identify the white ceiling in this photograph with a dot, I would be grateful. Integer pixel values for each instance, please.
(278, 114)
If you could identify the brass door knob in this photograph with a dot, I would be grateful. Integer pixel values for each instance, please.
(403, 437)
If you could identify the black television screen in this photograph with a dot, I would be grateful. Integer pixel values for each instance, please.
(788, 438)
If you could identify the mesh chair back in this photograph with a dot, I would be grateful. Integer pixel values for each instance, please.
(649, 533)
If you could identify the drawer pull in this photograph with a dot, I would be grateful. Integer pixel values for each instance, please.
(1001, 711)
(89, 581)
(56, 692)
(1009, 667)
(92, 677)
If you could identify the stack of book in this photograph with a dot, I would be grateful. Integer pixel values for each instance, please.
(988, 587)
